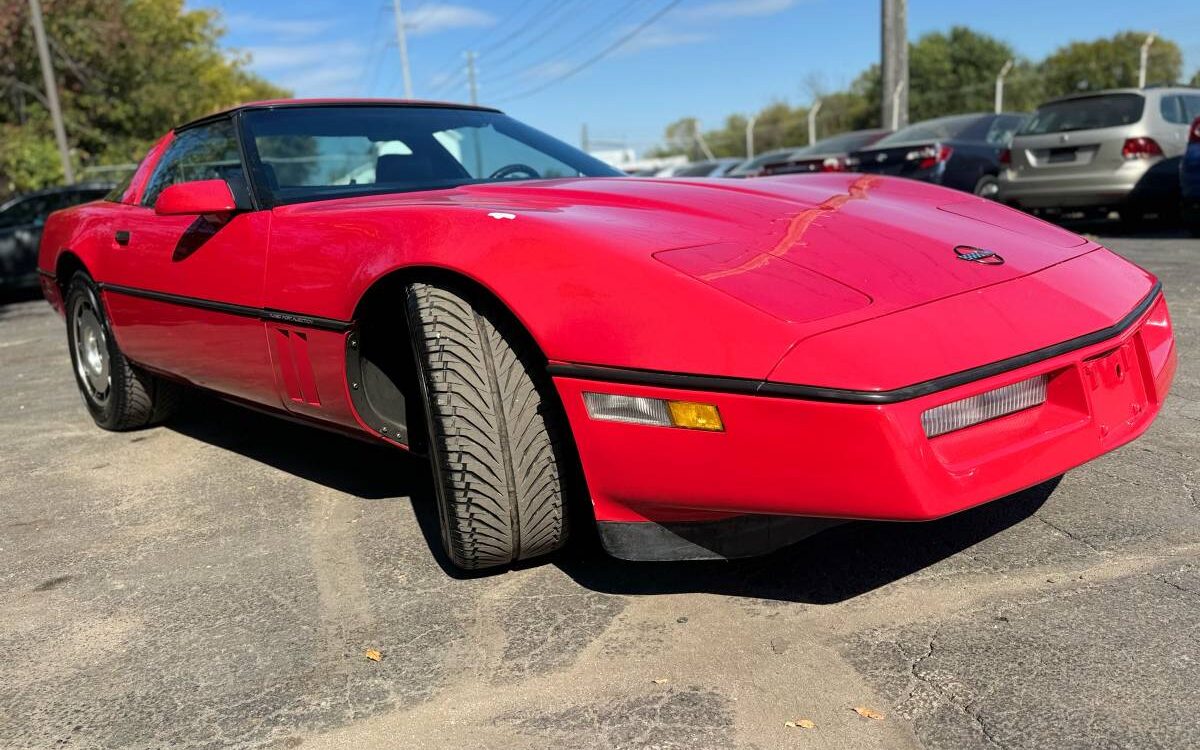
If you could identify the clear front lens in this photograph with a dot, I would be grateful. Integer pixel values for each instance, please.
(985, 406)
(631, 409)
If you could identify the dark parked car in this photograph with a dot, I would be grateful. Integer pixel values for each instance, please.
(961, 151)
(753, 167)
(826, 155)
(711, 168)
(21, 221)
(1189, 179)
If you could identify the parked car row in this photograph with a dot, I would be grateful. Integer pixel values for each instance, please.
(1133, 151)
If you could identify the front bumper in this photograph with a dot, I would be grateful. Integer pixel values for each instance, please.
(825, 459)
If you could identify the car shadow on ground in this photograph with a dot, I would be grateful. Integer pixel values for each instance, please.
(833, 566)
(13, 296)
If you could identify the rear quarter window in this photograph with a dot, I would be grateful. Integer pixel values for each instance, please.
(1086, 113)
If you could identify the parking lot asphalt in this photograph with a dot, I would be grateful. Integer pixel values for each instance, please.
(215, 583)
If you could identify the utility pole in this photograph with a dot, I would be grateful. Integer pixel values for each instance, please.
(1145, 59)
(894, 58)
(750, 136)
(402, 42)
(812, 121)
(471, 84)
(699, 138)
(60, 132)
(584, 143)
(1000, 85)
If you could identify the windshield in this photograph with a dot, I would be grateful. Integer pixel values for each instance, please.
(845, 142)
(757, 162)
(941, 129)
(1086, 113)
(310, 153)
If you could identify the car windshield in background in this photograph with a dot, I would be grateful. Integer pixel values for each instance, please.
(941, 129)
(1086, 113)
(843, 143)
(309, 153)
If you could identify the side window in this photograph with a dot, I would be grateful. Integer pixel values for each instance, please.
(1172, 110)
(1191, 105)
(28, 211)
(1001, 131)
(205, 152)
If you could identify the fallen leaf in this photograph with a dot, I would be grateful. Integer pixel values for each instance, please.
(660, 681)
(867, 713)
(372, 654)
(790, 724)
(806, 724)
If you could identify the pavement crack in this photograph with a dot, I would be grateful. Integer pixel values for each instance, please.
(1069, 534)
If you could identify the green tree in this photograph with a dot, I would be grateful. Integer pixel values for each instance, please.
(1109, 63)
(956, 71)
(128, 70)
(1195, 79)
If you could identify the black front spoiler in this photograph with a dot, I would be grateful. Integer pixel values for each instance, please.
(727, 539)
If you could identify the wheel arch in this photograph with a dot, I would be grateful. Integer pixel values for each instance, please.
(381, 366)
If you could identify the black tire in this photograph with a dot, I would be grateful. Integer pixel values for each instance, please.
(988, 187)
(134, 398)
(494, 431)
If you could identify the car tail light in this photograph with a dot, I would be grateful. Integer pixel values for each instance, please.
(833, 164)
(1194, 133)
(990, 405)
(929, 156)
(1006, 157)
(690, 415)
(1140, 148)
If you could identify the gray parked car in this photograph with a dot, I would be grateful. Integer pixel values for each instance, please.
(1112, 150)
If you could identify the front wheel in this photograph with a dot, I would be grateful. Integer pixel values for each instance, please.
(495, 435)
(119, 395)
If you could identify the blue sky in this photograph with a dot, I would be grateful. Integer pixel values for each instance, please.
(706, 58)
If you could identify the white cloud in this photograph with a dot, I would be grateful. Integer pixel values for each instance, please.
(278, 57)
(725, 9)
(433, 19)
(656, 39)
(549, 69)
(324, 80)
(245, 23)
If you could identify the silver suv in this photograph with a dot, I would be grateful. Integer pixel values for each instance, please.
(1116, 150)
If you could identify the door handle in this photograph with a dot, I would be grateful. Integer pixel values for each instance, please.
(122, 237)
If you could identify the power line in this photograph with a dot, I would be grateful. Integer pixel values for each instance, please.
(591, 32)
(531, 28)
(451, 70)
(621, 42)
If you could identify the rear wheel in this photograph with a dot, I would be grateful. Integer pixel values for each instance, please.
(987, 187)
(119, 395)
(494, 431)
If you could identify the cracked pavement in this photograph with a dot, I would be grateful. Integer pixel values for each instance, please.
(214, 583)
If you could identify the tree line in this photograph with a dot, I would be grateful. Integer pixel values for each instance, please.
(950, 73)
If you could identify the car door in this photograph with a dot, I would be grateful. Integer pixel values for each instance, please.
(185, 293)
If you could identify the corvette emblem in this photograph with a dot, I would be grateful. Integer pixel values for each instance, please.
(881, 157)
(978, 255)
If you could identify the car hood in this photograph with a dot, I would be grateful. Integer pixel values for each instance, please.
(716, 277)
(802, 248)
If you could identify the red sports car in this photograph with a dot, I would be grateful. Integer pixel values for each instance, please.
(720, 367)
